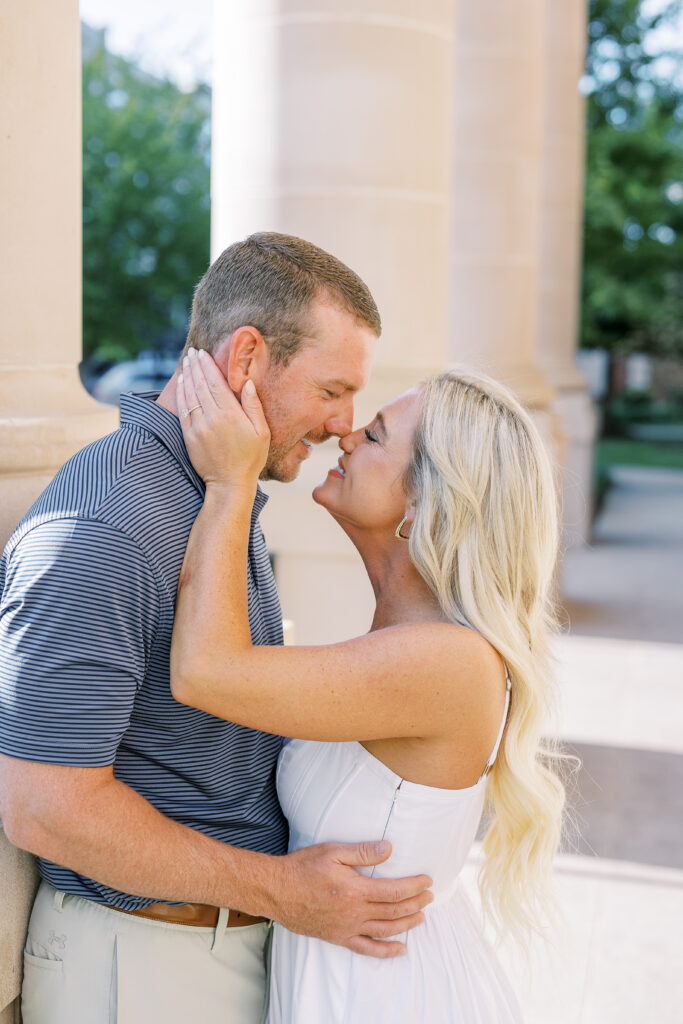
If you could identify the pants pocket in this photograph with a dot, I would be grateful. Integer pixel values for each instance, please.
(42, 963)
(41, 989)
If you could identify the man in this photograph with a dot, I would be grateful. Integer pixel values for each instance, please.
(151, 819)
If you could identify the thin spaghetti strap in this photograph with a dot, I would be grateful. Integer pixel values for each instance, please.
(494, 753)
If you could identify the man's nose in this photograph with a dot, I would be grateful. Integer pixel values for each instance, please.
(341, 421)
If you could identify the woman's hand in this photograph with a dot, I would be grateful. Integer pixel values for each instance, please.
(226, 441)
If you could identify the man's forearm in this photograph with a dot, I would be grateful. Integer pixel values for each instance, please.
(89, 821)
(117, 838)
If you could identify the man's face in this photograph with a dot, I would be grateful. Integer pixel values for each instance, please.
(311, 398)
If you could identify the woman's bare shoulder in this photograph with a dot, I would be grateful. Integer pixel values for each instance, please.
(455, 640)
(470, 669)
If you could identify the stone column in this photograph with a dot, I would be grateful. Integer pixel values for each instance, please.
(18, 882)
(332, 121)
(497, 179)
(562, 215)
(45, 415)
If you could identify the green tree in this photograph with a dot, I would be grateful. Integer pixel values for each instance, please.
(146, 207)
(633, 228)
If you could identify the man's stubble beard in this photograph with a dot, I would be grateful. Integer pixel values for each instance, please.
(275, 468)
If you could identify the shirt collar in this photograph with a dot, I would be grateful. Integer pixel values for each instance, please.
(144, 412)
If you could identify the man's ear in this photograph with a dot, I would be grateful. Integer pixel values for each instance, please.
(242, 356)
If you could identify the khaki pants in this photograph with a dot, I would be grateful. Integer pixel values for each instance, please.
(87, 964)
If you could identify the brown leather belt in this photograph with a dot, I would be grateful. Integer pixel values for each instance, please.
(200, 915)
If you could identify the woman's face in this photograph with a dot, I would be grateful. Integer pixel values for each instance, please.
(365, 489)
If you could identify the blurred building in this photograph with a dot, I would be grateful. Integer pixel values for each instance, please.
(436, 148)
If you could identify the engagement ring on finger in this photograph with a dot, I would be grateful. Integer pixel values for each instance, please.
(186, 412)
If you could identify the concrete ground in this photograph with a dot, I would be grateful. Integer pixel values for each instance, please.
(618, 948)
(624, 700)
(629, 582)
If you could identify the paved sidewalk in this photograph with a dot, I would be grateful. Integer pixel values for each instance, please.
(617, 949)
(624, 699)
(629, 582)
(622, 713)
(618, 953)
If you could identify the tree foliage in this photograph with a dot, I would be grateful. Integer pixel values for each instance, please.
(145, 206)
(633, 229)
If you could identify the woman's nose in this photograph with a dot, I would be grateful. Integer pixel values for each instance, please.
(346, 443)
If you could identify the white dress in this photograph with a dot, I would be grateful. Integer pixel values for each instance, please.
(341, 792)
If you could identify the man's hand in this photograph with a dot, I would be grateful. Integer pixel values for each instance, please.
(69, 816)
(322, 895)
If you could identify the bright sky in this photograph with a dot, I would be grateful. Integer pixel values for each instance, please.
(173, 37)
(668, 37)
(168, 37)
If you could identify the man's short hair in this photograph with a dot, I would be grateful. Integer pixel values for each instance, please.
(269, 281)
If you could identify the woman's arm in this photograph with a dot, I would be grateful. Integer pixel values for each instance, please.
(382, 685)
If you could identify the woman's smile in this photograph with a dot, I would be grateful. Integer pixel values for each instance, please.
(338, 470)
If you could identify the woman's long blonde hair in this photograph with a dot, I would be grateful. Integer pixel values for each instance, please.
(485, 539)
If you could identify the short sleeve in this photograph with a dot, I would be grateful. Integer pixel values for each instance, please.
(78, 616)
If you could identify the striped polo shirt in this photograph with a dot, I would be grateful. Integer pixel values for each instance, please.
(87, 590)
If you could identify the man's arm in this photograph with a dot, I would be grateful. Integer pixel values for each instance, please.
(89, 821)
(75, 640)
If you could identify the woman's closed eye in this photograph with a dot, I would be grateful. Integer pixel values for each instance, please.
(371, 437)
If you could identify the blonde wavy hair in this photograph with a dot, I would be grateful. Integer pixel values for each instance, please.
(485, 539)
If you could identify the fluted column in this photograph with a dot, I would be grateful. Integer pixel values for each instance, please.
(497, 181)
(332, 121)
(45, 415)
(562, 212)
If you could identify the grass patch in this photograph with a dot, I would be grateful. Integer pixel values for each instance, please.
(616, 451)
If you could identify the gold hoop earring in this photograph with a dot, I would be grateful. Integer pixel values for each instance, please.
(397, 532)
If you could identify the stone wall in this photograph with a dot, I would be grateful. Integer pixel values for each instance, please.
(45, 415)
(18, 880)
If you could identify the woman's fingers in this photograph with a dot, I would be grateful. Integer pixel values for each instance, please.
(184, 403)
(216, 382)
(180, 393)
(227, 440)
(251, 403)
(192, 399)
(213, 389)
(193, 368)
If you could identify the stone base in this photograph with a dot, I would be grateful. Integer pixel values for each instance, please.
(33, 447)
(18, 884)
(11, 1014)
(578, 419)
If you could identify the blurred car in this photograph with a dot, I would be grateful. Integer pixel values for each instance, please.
(149, 372)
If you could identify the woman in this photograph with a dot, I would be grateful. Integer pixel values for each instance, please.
(448, 497)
